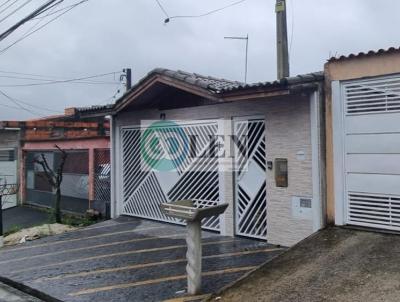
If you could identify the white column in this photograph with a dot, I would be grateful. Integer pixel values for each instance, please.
(317, 207)
(193, 255)
(115, 172)
(338, 153)
(227, 221)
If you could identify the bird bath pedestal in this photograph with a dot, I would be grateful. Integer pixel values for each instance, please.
(193, 216)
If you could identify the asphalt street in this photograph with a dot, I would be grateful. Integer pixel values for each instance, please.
(128, 259)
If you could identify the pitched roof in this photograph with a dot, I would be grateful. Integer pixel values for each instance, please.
(214, 86)
(365, 54)
(95, 108)
(288, 81)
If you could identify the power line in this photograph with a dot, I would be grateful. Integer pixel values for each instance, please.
(15, 10)
(1, 5)
(4, 9)
(48, 78)
(31, 33)
(35, 25)
(162, 8)
(34, 14)
(8, 106)
(18, 104)
(63, 81)
(35, 106)
(52, 80)
(61, 9)
(204, 14)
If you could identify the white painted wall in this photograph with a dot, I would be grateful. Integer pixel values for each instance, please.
(288, 132)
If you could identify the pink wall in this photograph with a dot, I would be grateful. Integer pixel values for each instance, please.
(89, 144)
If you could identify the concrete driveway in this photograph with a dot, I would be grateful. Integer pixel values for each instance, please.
(334, 265)
(127, 259)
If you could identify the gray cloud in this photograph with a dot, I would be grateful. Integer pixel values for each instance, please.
(107, 35)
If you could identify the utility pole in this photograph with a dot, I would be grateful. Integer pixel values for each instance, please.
(1, 222)
(247, 52)
(128, 76)
(282, 39)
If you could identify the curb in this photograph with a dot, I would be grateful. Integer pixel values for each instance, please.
(28, 290)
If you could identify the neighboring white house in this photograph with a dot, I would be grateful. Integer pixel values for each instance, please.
(278, 197)
(363, 139)
(9, 149)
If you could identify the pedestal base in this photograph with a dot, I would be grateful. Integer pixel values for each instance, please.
(194, 252)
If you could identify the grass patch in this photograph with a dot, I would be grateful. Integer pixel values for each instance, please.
(73, 220)
(13, 229)
(77, 221)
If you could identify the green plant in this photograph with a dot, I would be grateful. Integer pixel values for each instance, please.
(12, 230)
(77, 221)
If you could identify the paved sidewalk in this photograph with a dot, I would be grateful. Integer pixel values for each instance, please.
(23, 217)
(9, 294)
(128, 259)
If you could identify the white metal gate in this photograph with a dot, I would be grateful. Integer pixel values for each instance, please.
(193, 178)
(250, 180)
(371, 147)
(8, 174)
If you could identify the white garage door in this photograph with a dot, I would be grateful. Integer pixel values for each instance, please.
(371, 145)
(193, 177)
(8, 174)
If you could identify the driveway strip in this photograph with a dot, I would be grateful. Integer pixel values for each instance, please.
(132, 267)
(160, 280)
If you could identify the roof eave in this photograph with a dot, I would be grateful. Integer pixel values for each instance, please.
(152, 79)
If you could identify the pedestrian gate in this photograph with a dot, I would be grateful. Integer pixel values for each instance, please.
(250, 180)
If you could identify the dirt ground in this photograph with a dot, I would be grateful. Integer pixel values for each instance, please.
(34, 233)
(333, 265)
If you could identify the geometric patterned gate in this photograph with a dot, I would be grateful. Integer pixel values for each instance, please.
(250, 180)
(102, 181)
(193, 177)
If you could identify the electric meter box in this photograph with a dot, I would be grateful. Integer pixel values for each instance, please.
(302, 208)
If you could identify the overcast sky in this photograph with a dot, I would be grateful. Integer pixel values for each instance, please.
(104, 36)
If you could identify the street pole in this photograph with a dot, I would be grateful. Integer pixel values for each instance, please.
(283, 68)
(1, 222)
(128, 75)
(247, 52)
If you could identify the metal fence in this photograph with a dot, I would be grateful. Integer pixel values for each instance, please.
(102, 181)
(74, 188)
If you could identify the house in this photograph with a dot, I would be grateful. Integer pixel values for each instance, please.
(86, 179)
(9, 164)
(278, 197)
(363, 139)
